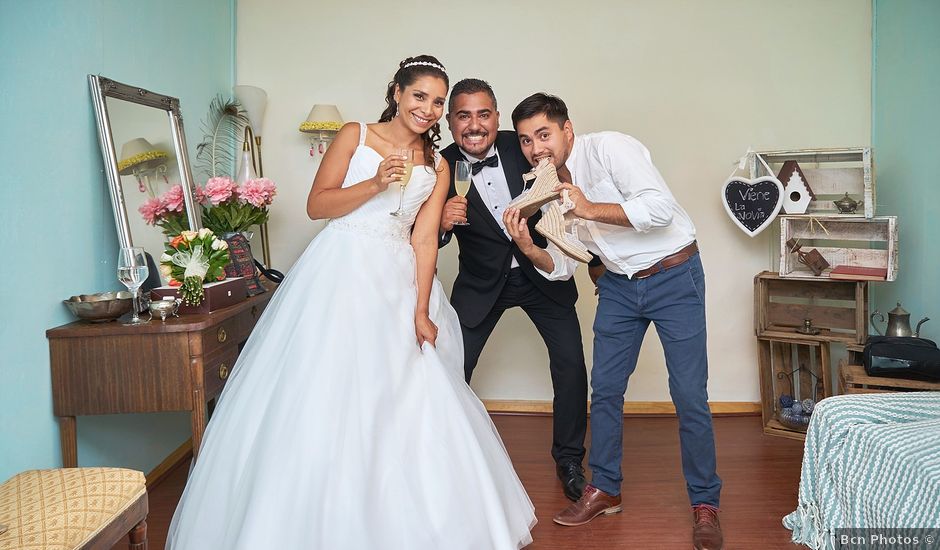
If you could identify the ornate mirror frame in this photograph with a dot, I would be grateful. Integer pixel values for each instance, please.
(102, 88)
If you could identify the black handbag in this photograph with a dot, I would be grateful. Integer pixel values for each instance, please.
(902, 357)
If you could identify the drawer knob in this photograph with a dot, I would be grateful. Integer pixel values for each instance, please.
(223, 371)
(222, 335)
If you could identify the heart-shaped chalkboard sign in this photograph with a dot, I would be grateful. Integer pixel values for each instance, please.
(752, 204)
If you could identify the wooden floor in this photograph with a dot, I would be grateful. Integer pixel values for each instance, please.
(760, 475)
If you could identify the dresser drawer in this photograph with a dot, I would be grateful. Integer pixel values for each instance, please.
(232, 331)
(216, 369)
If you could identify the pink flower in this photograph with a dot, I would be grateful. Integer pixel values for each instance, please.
(173, 199)
(219, 190)
(152, 210)
(201, 196)
(257, 192)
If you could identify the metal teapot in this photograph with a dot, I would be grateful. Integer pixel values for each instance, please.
(847, 205)
(899, 322)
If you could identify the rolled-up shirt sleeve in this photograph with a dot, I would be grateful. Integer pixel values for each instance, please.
(564, 266)
(647, 203)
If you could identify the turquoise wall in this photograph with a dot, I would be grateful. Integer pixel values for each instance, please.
(906, 140)
(57, 233)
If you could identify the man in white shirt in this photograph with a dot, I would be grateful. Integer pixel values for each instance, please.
(628, 217)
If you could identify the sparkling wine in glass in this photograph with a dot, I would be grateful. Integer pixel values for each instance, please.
(408, 155)
(462, 181)
(132, 272)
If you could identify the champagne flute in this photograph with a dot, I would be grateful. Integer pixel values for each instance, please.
(132, 272)
(409, 157)
(462, 181)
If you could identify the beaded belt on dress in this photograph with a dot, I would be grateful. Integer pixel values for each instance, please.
(388, 231)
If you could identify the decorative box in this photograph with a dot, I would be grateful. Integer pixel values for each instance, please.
(217, 295)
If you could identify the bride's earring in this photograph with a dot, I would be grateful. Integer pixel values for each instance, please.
(396, 109)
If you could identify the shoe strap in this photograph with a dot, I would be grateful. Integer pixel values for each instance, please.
(566, 203)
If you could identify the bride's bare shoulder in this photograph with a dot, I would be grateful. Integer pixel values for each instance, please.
(347, 137)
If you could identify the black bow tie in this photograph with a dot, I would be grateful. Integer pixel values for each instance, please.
(492, 161)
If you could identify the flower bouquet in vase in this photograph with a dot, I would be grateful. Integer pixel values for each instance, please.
(166, 211)
(191, 259)
(231, 210)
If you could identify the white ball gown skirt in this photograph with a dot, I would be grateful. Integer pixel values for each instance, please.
(336, 432)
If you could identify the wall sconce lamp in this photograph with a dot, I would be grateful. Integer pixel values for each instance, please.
(142, 160)
(254, 100)
(322, 124)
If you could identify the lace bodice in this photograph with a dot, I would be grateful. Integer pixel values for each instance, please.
(372, 219)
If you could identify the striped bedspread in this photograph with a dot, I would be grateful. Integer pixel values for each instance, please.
(870, 461)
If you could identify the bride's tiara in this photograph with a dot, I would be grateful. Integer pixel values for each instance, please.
(425, 63)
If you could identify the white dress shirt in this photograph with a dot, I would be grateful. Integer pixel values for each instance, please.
(491, 184)
(611, 167)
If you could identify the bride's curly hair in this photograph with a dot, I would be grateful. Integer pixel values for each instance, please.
(410, 70)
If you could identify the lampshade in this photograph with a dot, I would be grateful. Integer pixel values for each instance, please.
(254, 100)
(140, 154)
(322, 118)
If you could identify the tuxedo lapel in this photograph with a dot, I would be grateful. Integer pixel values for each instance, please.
(511, 169)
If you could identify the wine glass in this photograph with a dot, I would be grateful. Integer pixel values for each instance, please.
(408, 155)
(132, 272)
(462, 181)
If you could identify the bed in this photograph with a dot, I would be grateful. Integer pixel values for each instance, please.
(870, 461)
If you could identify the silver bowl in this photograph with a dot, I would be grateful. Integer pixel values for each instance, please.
(100, 307)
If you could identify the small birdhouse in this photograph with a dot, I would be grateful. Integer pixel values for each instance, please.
(796, 190)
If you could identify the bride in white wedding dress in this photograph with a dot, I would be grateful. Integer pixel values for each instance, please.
(347, 424)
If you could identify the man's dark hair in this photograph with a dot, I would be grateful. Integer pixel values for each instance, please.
(470, 86)
(540, 103)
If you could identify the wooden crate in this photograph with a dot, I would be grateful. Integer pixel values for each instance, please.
(838, 308)
(855, 353)
(853, 379)
(785, 367)
(830, 173)
(856, 242)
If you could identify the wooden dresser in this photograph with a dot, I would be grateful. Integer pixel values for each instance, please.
(177, 365)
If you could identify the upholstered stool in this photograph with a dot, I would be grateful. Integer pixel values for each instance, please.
(73, 508)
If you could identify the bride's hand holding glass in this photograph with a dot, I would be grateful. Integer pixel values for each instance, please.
(425, 330)
(389, 172)
(408, 158)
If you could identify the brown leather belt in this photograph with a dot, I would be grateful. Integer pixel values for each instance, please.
(669, 261)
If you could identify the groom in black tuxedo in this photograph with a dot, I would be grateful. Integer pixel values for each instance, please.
(494, 275)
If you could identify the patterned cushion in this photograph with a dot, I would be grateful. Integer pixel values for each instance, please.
(64, 508)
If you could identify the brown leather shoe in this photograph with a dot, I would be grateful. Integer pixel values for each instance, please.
(593, 502)
(706, 530)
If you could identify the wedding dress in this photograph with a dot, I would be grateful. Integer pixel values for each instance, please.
(335, 430)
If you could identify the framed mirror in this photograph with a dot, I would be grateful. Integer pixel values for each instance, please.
(146, 162)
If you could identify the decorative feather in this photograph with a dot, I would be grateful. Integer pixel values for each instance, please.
(223, 131)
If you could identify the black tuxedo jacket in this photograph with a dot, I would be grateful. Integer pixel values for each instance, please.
(486, 252)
